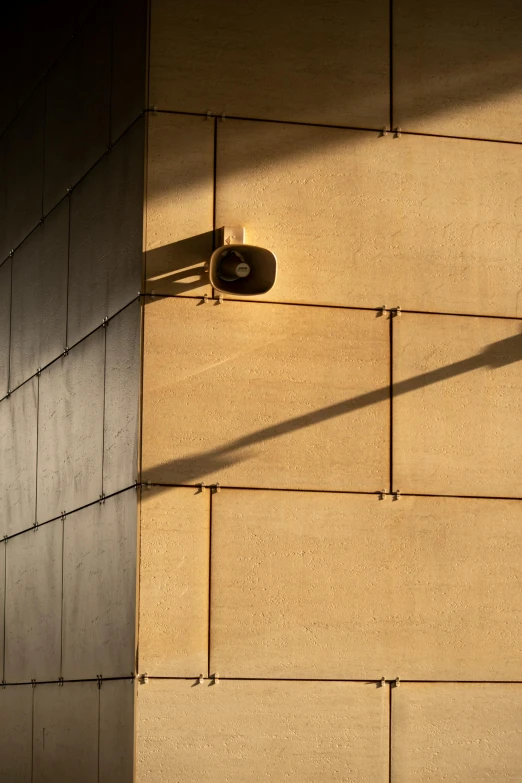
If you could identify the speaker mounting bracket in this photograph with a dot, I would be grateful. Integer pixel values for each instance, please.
(233, 235)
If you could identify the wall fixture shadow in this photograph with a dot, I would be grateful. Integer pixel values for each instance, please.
(179, 267)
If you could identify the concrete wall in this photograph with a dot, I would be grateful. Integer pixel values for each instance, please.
(71, 203)
(367, 523)
(297, 586)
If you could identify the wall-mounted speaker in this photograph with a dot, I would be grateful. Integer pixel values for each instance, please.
(242, 270)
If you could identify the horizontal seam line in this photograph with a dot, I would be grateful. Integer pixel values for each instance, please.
(372, 309)
(364, 680)
(234, 487)
(70, 513)
(210, 485)
(385, 128)
(70, 348)
(367, 680)
(128, 678)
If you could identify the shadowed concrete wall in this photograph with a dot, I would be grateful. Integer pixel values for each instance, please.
(367, 523)
(71, 204)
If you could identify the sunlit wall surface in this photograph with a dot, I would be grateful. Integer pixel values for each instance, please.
(362, 418)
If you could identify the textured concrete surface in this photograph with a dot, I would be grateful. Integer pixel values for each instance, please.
(18, 445)
(269, 60)
(2, 606)
(116, 731)
(33, 605)
(179, 204)
(65, 732)
(5, 324)
(313, 585)
(174, 569)
(268, 731)
(39, 297)
(274, 395)
(106, 236)
(72, 213)
(458, 405)
(122, 399)
(70, 429)
(99, 589)
(457, 732)
(16, 712)
(265, 395)
(427, 224)
(457, 68)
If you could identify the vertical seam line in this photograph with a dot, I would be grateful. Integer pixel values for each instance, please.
(209, 578)
(214, 184)
(43, 145)
(214, 192)
(10, 325)
(5, 609)
(147, 59)
(32, 735)
(390, 735)
(62, 601)
(99, 730)
(391, 404)
(104, 407)
(68, 270)
(139, 455)
(391, 63)
(37, 447)
(111, 74)
(138, 582)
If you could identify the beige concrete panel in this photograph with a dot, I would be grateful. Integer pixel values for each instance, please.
(106, 236)
(129, 63)
(312, 585)
(312, 61)
(457, 732)
(260, 395)
(16, 710)
(180, 183)
(18, 439)
(65, 744)
(78, 108)
(302, 731)
(117, 731)
(458, 405)
(174, 569)
(457, 68)
(424, 223)
(122, 391)
(24, 151)
(99, 589)
(39, 298)
(5, 324)
(33, 604)
(70, 429)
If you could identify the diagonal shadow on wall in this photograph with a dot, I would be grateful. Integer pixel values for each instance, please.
(190, 469)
